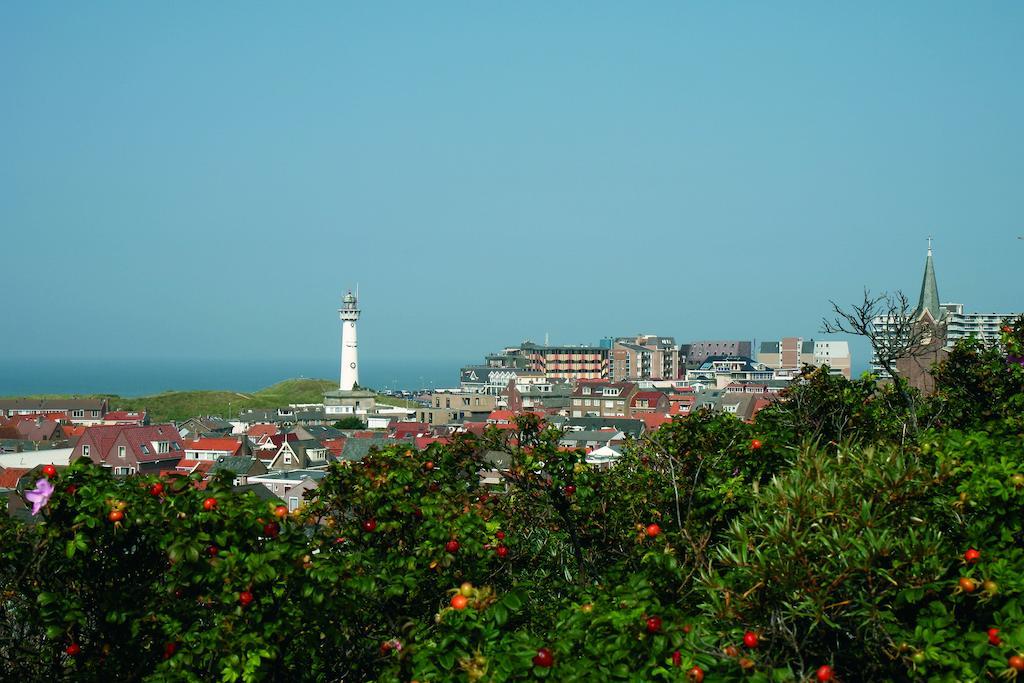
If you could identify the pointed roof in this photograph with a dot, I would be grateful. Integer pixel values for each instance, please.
(929, 299)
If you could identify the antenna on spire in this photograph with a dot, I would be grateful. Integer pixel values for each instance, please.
(357, 284)
(929, 244)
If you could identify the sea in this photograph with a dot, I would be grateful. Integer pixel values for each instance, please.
(144, 377)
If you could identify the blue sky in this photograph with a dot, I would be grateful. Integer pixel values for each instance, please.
(204, 180)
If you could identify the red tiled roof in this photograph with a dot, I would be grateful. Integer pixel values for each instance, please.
(201, 466)
(229, 446)
(335, 446)
(130, 416)
(422, 442)
(73, 430)
(365, 435)
(9, 477)
(652, 397)
(262, 430)
(138, 437)
(654, 420)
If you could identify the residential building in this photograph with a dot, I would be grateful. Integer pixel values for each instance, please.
(569, 362)
(552, 396)
(695, 353)
(724, 370)
(482, 379)
(301, 454)
(603, 399)
(650, 402)
(126, 417)
(204, 425)
(645, 357)
(290, 486)
(128, 449)
(84, 411)
(456, 406)
(792, 353)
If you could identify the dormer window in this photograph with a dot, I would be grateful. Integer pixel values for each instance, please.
(586, 391)
(163, 446)
(77, 413)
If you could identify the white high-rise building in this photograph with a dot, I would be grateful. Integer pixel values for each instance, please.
(349, 313)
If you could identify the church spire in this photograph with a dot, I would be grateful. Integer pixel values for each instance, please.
(929, 299)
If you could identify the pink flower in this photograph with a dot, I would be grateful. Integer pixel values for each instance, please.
(40, 495)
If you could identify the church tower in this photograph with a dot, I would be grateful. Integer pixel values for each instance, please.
(929, 299)
(349, 314)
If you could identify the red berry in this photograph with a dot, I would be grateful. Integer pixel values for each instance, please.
(115, 516)
(281, 511)
(570, 490)
(156, 489)
(73, 649)
(1016, 662)
(500, 535)
(459, 601)
(170, 649)
(502, 551)
(653, 530)
(696, 674)
(370, 525)
(271, 529)
(824, 673)
(750, 639)
(967, 585)
(452, 546)
(992, 632)
(428, 465)
(244, 598)
(677, 658)
(49, 471)
(212, 550)
(972, 556)
(653, 624)
(755, 444)
(209, 503)
(544, 658)
(71, 489)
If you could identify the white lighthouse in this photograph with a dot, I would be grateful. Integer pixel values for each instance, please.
(349, 313)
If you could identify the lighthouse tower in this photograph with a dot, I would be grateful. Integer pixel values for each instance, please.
(349, 313)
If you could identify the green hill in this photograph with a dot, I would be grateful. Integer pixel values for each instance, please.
(180, 405)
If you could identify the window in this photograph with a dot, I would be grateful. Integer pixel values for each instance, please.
(163, 446)
(85, 451)
(287, 458)
(145, 449)
(95, 413)
(121, 451)
(77, 413)
(293, 503)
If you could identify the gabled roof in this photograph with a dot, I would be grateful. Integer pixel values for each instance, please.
(651, 397)
(125, 416)
(140, 440)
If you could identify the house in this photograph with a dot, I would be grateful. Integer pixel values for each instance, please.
(240, 468)
(649, 402)
(603, 399)
(136, 418)
(259, 430)
(290, 485)
(210, 448)
(49, 456)
(723, 370)
(204, 425)
(33, 428)
(130, 450)
(301, 454)
(77, 410)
